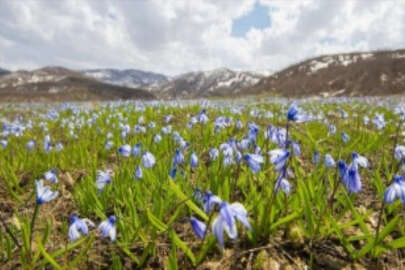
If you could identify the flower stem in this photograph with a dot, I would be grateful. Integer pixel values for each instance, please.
(34, 217)
(332, 196)
(207, 228)
(377, 232)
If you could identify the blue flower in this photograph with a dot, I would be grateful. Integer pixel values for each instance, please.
(332, 129)
(214, 153)
(254, 161)
(282, 183)
(178, 158)
(238, 156)
(209, 201)
(44, 193)
(148, 160)
(108, 145)
(138, 173)
(136, 150)
(108, 228)
(103, 178)
(193, 160)
(342, 167)
(47, 144)
(157, 138)
(359, 160)
(202, 117)
(226, 221)
(59, 147)
(125, 150)
(279, 157)
(345, 137)
(51, 176)
(173, 172)
(296, 148)
(352, 179)
(315, 157)
(30, 145)
(379, 121)
(395, 190)
(77, 227)
(399, 152)
(295, 114)
(329, 161)
(199, 227)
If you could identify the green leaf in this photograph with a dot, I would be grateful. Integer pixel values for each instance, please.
(183, 246)
(388, 228)
(48, 257)
(286, 219)
(188, 202)
(398, 243)
(157, 223)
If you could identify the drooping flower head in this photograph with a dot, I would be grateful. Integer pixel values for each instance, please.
(138, 173)
(51, 176)
(108, 228)
(148, 160)
(352, 180)
(316, 157)
(345, 137)
(103, 178)
(226, 221)
(209, 201)
(198, 227)
(395, 190)
(329, 161)
(193, 160)
(178, 158)
(44, 193)
(279, 157)
(342, 167)
(295, 114)
(137, 149)
(125, 150)
(78, 226)
(359, 160)
(254, 162)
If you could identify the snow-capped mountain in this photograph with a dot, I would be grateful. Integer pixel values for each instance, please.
(46, 74)
(217, 82)
(127, 77)
(350, 74)
(61, 84)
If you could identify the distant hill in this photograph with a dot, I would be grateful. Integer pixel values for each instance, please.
(61, 84)
(128, 77)
(4, 72)
(219, 82)
(353, 74)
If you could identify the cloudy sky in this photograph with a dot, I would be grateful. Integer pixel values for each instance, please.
(176, 36)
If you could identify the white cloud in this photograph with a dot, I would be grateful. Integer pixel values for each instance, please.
(179, 36)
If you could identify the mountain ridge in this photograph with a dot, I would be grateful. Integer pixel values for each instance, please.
(61, 84)
(347, 74)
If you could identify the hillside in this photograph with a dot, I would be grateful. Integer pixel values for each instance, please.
(353, 74)
(61, 84)
(4, 72)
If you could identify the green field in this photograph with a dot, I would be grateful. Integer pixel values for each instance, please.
(319, 221)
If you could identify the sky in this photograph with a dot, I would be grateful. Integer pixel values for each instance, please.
(177, 36)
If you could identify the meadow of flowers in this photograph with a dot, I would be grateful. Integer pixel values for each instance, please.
(184, 185)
